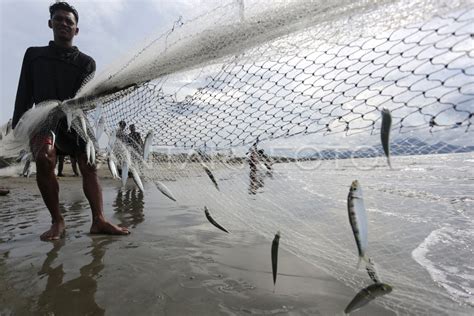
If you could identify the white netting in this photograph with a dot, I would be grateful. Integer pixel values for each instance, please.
(308, 81)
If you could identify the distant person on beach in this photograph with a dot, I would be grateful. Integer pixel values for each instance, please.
(135, 139)
(121, 133)
(56, 72)
(253, 161)
(61, 165)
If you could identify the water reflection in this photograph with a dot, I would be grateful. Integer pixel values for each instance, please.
(129, 205)
(75, 296)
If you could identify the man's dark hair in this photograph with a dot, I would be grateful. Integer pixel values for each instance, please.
(65, 7)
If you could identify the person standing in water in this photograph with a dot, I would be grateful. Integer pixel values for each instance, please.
(61, 165)
(56, 72)
(135, 139)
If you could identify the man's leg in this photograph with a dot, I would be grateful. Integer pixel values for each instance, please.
(93, 192)
(49, 188)
(60, 165)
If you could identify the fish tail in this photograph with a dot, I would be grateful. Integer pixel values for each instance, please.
(362, 258)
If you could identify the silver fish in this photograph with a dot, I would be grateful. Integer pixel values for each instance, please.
(358, 219)
(69, 120)
(163, 189)
(147, 145)
(112, 163)
(54, 137)
(112, 138)
(90, 151)
(372, 271)
(366, 295)
(136, 178)
(210, 175)
(275, 243)
(100, 128)
(385, 133)
(212, 221)
(82, 119)
(9, 127)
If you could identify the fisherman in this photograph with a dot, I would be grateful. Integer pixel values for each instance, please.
(135, 139)
(56, 72)
(121, 134)
(253, 161)
(61, 165)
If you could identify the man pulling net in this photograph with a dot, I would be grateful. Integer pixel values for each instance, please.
(56, 72)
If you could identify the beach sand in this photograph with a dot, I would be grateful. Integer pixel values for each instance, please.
(173, 263)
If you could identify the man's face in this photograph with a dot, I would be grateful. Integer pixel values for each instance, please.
(64, 25)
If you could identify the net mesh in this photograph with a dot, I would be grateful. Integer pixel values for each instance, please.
(307, 83)
(304, 84)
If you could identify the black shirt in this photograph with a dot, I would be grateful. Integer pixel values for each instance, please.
(50, 73)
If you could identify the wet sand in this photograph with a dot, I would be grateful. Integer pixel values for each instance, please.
(173, 263)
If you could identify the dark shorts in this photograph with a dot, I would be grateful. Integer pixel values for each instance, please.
(66, 143)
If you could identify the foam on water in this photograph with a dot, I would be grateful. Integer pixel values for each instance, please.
(16, 170)
(436, 254)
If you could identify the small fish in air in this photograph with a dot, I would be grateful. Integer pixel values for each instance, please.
(100, 128)
(9, 127)
(385, 133)
(147, 145)
(358, 219)
(275, 243)
(136, 178)
(112, 163)
(212, 221)
(210, 175)
(163, 189)
(372, 271)
(366, 295)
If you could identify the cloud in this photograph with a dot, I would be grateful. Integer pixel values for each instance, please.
(108, 29)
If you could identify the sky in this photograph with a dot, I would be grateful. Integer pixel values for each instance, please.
(107, 30)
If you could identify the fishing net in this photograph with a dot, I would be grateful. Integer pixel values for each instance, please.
(307, 82)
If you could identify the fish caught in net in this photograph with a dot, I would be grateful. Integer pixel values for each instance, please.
(302, 87)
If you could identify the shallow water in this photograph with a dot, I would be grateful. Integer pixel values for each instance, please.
(173, 263)
(420, 222)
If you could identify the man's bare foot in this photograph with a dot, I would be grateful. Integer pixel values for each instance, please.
(106, 228)
(55, 232)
